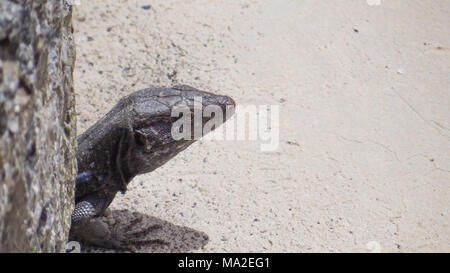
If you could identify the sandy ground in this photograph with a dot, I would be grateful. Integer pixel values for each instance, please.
(363, 162)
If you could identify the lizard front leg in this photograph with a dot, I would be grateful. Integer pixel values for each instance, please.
(93, 229)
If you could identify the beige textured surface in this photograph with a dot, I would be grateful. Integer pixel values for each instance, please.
(364, 154)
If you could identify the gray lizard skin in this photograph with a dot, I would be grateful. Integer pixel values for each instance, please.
(133, 138)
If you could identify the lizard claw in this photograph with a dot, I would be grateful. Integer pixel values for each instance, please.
(127, 237)
(98, 233)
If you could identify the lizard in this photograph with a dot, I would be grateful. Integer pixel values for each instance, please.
(133, 138)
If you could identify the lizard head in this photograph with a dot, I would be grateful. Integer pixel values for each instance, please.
(166, 121)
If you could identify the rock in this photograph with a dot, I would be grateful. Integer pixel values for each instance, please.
(37, 125)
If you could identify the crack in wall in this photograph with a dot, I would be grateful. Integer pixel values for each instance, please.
(394, 153)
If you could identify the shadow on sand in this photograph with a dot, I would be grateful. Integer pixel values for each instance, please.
(167, 236)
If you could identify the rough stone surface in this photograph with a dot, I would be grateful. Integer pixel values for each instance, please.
(37, 125)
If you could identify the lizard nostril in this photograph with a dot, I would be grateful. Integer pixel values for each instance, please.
(228, 101)
(228, 105)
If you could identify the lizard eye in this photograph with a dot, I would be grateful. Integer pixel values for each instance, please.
(142, 140)
(154, 136)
